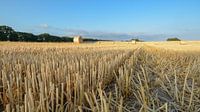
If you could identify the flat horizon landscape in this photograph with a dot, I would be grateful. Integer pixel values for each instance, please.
(100, 56)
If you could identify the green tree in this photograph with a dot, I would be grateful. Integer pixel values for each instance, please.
(137, 40)
(13, 37)
(6, 29)
(3, 37)
(8, 34)
(173, 39)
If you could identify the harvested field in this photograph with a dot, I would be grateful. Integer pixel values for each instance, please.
(100, 77)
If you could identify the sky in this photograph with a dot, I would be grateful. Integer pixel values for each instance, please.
(150, 20)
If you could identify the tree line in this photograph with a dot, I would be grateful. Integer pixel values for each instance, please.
(9, 34)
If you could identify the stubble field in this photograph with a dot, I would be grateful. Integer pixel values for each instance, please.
(100, 77)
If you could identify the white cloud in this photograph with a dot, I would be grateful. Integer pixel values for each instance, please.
(44, 26)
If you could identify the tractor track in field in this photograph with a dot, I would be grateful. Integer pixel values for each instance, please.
(111, 85)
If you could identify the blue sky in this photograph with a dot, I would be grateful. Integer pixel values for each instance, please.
(105, 19)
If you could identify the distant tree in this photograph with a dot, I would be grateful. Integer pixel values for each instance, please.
(6, 29)
(3, 37)
(89, 40)
(27, 37)
(45, 37)
(173, 39)
(137, 40)
(13, 37)
(8, 34)
(93, 40)
(5, 33)
(67, 39)
(42, 37)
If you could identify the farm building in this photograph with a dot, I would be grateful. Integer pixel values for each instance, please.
(78, 39)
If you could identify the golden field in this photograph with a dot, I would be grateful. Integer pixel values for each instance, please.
(100, 77)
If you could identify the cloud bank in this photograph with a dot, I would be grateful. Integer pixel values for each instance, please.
(45, 28)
